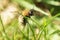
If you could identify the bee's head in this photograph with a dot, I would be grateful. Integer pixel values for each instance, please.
(30, 13)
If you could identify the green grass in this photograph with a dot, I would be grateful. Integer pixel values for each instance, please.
(46, 27)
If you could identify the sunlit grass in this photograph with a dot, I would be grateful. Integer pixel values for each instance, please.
(36, 27)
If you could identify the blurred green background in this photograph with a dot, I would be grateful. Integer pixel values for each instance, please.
(44, 24)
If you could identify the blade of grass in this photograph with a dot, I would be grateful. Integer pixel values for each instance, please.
(32, 31)
(20, 31)
(40, 33)
(57, 31)
(31, 28)
(2, 25)
(55, 3)
(28, 32)
(43, 29)
(56, 15)
(37, 24)
(30, 6)
(4, 30)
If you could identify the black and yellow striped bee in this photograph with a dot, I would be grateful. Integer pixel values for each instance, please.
(24, 15)
(27, 13)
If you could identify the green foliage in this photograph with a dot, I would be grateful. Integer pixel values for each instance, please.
(45, 25)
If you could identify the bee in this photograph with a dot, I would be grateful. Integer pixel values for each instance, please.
(27, 13)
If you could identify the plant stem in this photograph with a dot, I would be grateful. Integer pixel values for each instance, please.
(4, 29)
(32, 31)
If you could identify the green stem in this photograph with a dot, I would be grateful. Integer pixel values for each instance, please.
(23, 33)
(4, 29)
(28, 32)
(32, 31)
